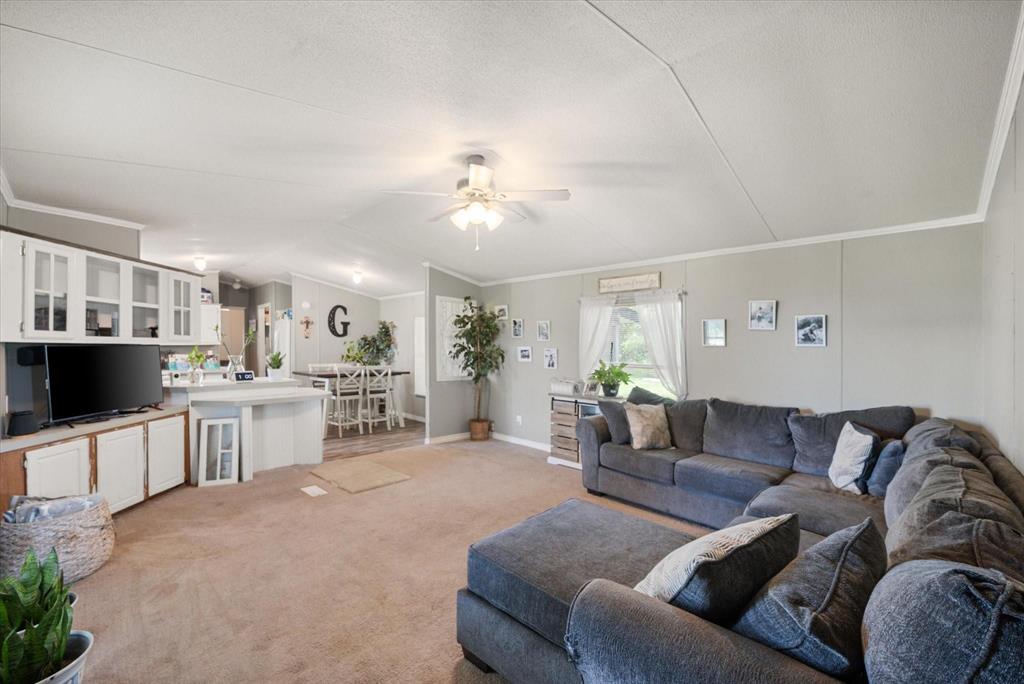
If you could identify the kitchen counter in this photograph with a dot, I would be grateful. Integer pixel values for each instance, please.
(255, 398)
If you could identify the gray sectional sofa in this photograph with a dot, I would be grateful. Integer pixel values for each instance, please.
(551, 599)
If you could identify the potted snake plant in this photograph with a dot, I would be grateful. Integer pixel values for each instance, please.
(477, 351)
(275, 361)
(37, 643)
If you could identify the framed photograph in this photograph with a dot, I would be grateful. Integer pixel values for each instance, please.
(810, 330)
(762, 314)
(543, 331)
(551, 358)
(713, 330)
(502, 311)
(524, 354)
(517, 328)
(590, 388)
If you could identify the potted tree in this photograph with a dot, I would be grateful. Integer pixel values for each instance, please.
(477, 351)
(610, 377)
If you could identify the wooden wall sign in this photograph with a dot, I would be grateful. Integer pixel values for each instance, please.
(641, 281)
(332, 322)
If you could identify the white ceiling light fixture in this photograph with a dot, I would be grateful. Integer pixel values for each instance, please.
(200, 263)
(237, 285)
(493, 219)
(357, 277)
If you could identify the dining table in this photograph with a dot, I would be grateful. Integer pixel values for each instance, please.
(329, 375)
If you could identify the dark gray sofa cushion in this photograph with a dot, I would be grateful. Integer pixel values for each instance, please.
(820, 511)
(815, 436)
(728, 477)
(649, 464)
(936, 621)
(751, 433)
(686, 423)
(948, 488)
(638, 395)
(888, 463)
(807, 539)
(962, 538)
(532, 571)
(1009, 479)
(812, 610)
(618, 425)
(915, 469)
(938, 432)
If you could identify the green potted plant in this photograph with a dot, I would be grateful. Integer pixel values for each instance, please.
(195, 360)
(477, 351)
(373, 350)
(610, 377)
(37, 643)
(274, 363)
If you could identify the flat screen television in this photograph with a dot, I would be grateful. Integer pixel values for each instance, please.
(89, 380)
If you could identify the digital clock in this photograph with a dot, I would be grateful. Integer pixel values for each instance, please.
(244, 376)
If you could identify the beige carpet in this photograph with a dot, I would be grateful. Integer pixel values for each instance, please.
(258, 582)
(358, 475)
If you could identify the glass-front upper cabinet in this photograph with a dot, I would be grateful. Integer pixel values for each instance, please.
(102, 297)
(48, 272)
(145, 302)
(183, 310)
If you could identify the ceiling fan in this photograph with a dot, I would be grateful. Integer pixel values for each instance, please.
(479, 203)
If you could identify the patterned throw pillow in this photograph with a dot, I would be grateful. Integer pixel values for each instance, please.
(855, 456)
(648, 426)
(716, 575)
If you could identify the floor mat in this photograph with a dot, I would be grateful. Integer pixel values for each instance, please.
(358, 476)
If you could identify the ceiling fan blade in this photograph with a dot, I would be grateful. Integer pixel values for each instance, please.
(480, 176)
(422, 194)
(533, 196)
(446, 212)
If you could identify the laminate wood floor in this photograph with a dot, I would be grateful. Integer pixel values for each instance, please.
(355, 444)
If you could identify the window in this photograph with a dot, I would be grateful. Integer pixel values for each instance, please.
(626, 344)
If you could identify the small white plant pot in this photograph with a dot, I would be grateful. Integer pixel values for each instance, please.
(276, 374)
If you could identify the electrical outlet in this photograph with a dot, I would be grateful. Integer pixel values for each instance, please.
(519, 420)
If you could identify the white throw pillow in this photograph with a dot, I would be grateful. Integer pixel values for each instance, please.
(855, 455)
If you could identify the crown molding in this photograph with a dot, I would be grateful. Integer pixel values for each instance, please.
(14, 202)
(417, 293)
(453, 274)
(335, 285)
(965, 220)
(1004, 116)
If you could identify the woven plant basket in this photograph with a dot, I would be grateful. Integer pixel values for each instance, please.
(84, 541)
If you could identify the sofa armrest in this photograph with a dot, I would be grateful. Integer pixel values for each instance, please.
(591, 432)
(615, 634)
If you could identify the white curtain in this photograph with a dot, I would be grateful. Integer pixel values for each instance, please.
(661, 319)
(595, 320)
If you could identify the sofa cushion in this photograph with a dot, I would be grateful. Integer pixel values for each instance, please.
(686, 423)
(915, 469)
(948, 488)
(889, 461)
(856, 453)
(812, 610)
(815, 436)
(936, 621)
(820, 511)
(641, 396)
(938, 432)
(728, 477)
(649, 464)
(751, 433)
(1009, 479)
(648, 427)
(714, 576)
(807, 539)
(615, 415)
(962, 538)
(533, 570)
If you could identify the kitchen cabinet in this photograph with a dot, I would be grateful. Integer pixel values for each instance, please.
(165, 453)
(49, 273)
(121, 467)
(209, 324)
(58, 470)
(103, 300)
(183, 309)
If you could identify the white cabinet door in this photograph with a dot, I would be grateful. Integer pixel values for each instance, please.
(50, 277)
(209, 330)
(166, 453)
(183, 308)
(121, 467)
(59, 470)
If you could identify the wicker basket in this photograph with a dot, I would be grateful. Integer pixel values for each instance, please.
(84, 541)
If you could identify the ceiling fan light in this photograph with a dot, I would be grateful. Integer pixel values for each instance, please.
(461, 219)
(476, 212)
(357, 277)
(494, 219)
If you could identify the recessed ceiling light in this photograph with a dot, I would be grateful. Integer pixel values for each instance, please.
(357, 277)
(200, 263)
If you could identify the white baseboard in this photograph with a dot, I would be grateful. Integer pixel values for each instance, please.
(410, 416)
(447, 438)
(540, 446)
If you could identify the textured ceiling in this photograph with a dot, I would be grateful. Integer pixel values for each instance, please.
(260, 134)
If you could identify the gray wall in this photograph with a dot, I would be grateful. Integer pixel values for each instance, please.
(123, 241)
(402, 311)
(3, 211)
(322, 346)
(902, 328)
(1002, 308)
(450, 403)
